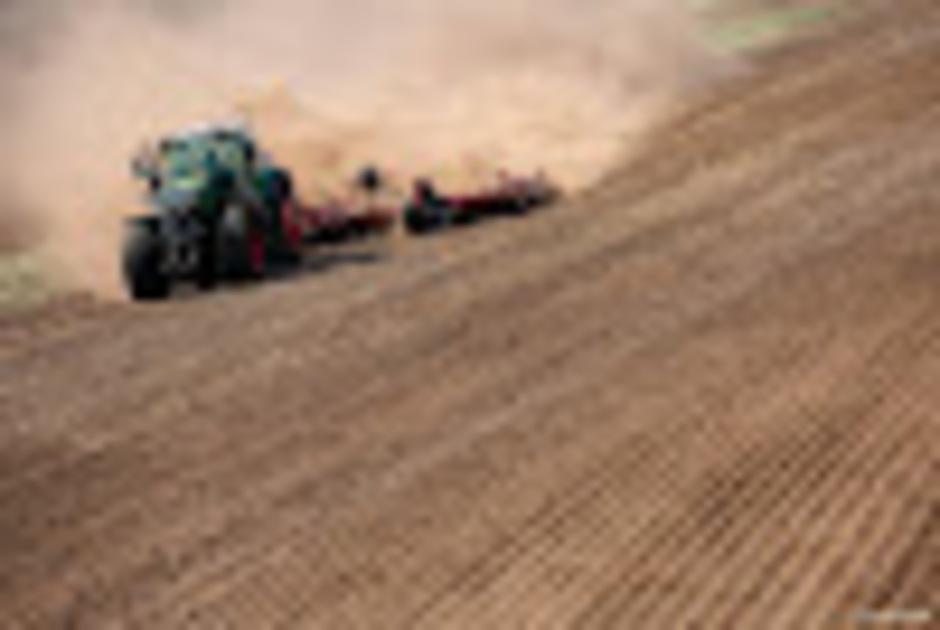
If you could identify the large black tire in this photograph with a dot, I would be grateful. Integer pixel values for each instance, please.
(286, 247)
(144, 275)
(207, 272)
(235, 233)
(276, 190)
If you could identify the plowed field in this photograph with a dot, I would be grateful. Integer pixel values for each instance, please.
(702, 395)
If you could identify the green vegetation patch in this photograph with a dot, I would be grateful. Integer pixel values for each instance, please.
(770, 28)
(22, 282)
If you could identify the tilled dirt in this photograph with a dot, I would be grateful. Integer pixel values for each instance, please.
(703, 395)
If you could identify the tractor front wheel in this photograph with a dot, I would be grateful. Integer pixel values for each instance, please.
(207, 272)
(144, 275)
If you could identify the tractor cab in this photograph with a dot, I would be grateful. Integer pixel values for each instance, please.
(197, 170)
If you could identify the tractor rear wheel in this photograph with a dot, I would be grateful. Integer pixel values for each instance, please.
(289, 240)
(242, 248)
(143, 263)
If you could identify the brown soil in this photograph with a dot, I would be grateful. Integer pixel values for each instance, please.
(701, 396)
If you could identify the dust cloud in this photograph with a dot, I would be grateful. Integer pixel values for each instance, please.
(453, 89)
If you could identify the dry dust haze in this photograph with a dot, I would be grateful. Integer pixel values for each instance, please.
(456, 89)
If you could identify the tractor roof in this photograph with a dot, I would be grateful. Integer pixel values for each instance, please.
(204, 134)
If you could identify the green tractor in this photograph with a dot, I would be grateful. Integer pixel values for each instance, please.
(219, 210)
